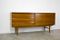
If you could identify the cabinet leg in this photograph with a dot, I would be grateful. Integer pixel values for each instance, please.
(44, 28)
(16, 31)
(49, 28)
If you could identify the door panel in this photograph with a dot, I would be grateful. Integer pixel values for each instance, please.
(44, 18)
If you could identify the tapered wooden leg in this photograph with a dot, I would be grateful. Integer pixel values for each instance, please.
(16, 31)
(44, 28)
(49, 28)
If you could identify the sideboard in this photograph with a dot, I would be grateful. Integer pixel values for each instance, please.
(28, 19)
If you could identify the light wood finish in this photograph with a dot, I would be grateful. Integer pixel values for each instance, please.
(24, 20)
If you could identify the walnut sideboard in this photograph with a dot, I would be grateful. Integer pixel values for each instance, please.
(27, 19)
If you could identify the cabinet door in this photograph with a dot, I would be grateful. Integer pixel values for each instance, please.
(44, 19)
(22, 19)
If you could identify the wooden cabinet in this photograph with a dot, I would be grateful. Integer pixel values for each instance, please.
(23, 20)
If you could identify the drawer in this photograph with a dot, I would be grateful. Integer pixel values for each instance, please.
(22, 24)
(22, 15)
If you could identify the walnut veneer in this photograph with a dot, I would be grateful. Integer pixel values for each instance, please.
(25, 19)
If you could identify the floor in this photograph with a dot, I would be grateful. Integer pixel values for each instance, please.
(40, 35)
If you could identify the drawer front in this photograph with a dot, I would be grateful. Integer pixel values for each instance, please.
(22, 22)
(44, 19)
(22, 15)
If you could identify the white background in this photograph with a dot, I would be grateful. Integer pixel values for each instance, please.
(8, 6)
